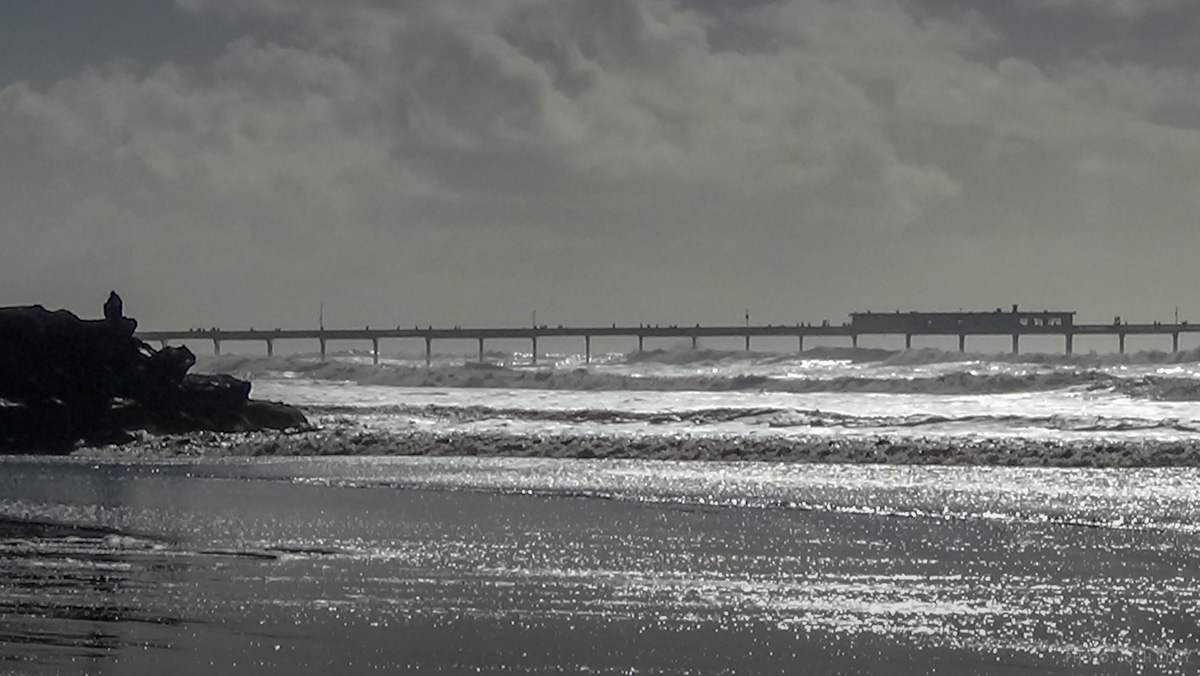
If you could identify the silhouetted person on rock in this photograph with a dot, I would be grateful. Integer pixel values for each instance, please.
(114, 314)
(64, 379)
(114, 309)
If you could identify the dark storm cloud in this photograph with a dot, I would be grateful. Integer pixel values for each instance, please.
(459, 162)
(43, 41)
(1120, 9)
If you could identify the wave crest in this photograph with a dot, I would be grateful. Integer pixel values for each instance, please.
(974, 379)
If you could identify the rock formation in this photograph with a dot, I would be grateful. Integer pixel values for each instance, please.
(64, 380)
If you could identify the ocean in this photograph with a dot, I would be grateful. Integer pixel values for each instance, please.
(670, 512)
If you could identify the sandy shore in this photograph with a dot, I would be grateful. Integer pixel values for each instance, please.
(355, 440)
(262, 567)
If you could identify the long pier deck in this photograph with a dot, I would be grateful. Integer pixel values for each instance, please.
(798, 331)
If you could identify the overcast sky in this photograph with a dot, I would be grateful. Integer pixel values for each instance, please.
(239, 162)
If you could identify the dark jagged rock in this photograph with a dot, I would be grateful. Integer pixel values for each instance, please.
(64, 380)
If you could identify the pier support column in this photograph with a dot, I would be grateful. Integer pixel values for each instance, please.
(480, 350)
(1070, 343)
(428, 351)
(1016, 343)
(270, 348)
(535, 349)
(162, 344)
(962, 342)
(694, 342)
(1175, 342)
(375, 351)
(854, 341)
(1121, 343)
(747, 342)
(216, 346)
(587, 349)
(800, 339)
(908, 341)
(322, 349)
(641, 342)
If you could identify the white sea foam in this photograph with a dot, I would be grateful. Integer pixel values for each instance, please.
(826, 405)
(925, 372)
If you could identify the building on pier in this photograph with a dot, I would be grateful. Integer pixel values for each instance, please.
(996, 322)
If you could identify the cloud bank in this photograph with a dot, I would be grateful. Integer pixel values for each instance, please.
(457, 162)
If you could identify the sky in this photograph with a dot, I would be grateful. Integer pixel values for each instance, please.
(246, 163)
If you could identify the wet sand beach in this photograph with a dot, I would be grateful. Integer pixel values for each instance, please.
(368, 565)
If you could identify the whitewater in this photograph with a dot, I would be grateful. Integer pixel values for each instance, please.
(825, 405)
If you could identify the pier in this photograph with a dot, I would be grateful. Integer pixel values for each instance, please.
(1016, 324)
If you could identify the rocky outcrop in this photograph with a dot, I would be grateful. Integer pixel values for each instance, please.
(64, 380)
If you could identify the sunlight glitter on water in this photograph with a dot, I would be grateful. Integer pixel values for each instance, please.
(1068, 566)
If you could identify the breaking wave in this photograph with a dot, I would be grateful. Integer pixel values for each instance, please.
(733, 357)
(713, 371)
(766, 417)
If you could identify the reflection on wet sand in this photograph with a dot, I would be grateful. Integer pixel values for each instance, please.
(73, 591)
(364, 565)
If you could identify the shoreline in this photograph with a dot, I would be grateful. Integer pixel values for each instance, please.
(352, 440)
